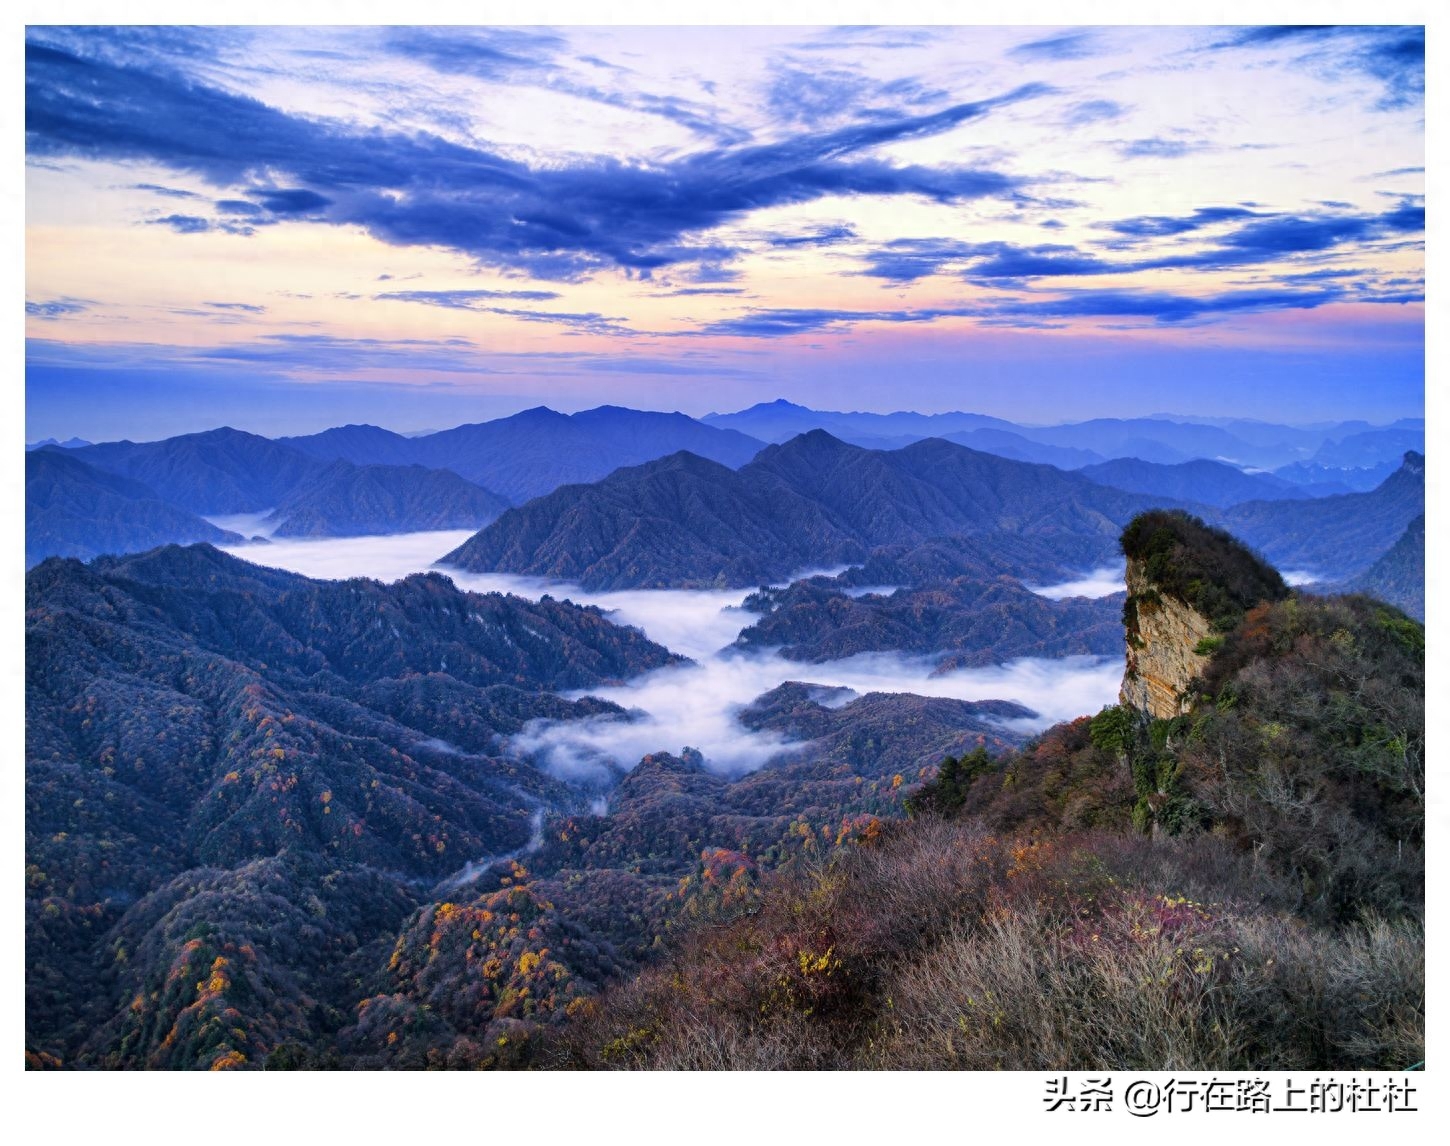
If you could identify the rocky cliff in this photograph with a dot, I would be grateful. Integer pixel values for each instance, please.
(1164, 639)
(1188, 583)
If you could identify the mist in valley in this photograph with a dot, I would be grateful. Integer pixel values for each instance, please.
(697, 705)
(1100, 582)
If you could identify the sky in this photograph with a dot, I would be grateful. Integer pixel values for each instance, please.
(283, 229)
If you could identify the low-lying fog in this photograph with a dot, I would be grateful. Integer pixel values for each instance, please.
(1299, 577)
(1102, 582)
(696, 705)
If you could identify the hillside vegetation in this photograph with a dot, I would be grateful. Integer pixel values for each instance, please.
(812, 502)
(1238, 888)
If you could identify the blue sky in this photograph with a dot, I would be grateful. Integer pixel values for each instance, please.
(289, 228)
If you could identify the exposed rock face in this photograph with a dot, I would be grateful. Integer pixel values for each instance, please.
(1163, 633)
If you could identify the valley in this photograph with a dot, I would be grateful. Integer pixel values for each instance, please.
(714, 547)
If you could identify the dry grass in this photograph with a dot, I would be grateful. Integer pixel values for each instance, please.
(948, 947)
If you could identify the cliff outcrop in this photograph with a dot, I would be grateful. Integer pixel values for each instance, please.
(1169, 643)
(1188, 583)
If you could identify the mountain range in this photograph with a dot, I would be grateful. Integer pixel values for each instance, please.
(1202, 480)
(816, 502)
(464, 476)
(220, 471)
(256, 802)
(351, 500)
(75, 510)
(1333, 537)
(536, 451)
(812, 502)
(1162, 438)
(1399, 575)
(72, 508)
(962, 622)
(278, 821)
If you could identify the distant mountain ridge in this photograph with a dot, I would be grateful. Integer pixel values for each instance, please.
(779, 421)
(228, 471)
(75, 510)
(1161, 438)
(964, 621)
(813, 502)
(352, 500)
(1210, 482)
(1399, 575)
(218, 471)
(535, 451)
(1334, 537)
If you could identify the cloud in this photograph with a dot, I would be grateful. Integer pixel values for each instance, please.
(906, 260)
(810, 94)
(696, 705)
(1094, 111)
(183, 224)
(530, 57)
(1006, 260)
(1158, 148)
(1159, 306)
(286, 353)
(196, 225)
(764, 323)
(168, 192)
(712, 271)
(1242, 237)
(562, 221)
(1268, 237)
(588, 322)
(330, 354)
(464, 299)
(250, 308)
(1393, 56)
(56, 307)
(1067, 46)
(1148, 226)
(1258, 236)
(291, 200)
(485, 53)
(1164, 307)
(854, 38)
(386, 559)
(1102, 582)
(241, 207)
(823, 236)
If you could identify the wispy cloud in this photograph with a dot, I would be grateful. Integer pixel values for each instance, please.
(1065, 46)
(1393, 56)
(167, 192)
(56, 307)
(557, 222)
(1094, 111)
(465, 299)
(530, 57)
(1158, 148)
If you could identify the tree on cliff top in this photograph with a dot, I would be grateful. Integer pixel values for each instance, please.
(1206, 568)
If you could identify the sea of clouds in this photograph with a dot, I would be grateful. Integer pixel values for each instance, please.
(697, 705)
